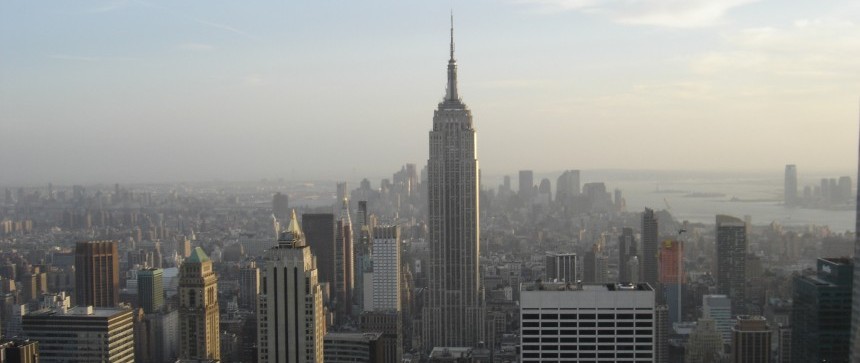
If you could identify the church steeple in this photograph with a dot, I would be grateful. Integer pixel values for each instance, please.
(451, 94)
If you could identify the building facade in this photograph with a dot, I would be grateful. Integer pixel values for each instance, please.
(587, 323)
(199, 330)
(82, 334)
(150, 289)
(751, 340)
(820, 303)
(650, 249)
(453, 313)
(96, 274)
(290, 319)
(731, 261)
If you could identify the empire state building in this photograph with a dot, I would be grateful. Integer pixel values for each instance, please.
(454, 313)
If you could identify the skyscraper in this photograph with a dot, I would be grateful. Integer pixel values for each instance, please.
(386, 268)
(672, 276)
(567, 186)
(281, 205)
(198, 309)
(291, 324)
(318, 231)
(561, 267)
(650, 247)
(751, 340)
(719, 309)
(150, 289)
(344, 261)
(249, 286)
(731, 261)
(96, 274)
(855, 299)
(454, 313)
(626, 250)
(790, 195)
(820, 333)
(527, 184)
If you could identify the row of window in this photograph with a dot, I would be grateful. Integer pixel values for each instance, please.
(647, 339)
(586, 324)
(569, 332)
(602, 316)
(543, 348)
(586, 355)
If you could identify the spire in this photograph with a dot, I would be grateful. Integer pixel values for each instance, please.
(344, 212)
(293, 234)
(452, 36)
(451, 94)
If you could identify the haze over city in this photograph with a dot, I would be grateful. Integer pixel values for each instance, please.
(150, 91)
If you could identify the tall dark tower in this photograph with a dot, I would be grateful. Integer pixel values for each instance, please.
(96, 274)
(731, 261)
(650, 247)
(454, 313)
(855, 300)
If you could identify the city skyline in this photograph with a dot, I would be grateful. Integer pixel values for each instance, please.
(169, 97)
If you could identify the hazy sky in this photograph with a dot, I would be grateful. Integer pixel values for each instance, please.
(199, 89)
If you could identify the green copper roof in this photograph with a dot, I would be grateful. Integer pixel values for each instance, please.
(197, 256)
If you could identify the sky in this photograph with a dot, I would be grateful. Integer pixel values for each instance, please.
(196, 90)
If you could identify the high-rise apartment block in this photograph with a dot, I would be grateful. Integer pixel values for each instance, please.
(731, 261)
(587, 323)
(820, 332)
(96, 274)
(454, 311)
(290, 319)
(199, 330)
(82, 334)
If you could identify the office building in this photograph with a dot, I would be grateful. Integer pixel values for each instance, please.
(626, 251)
(587, 323)
(281, 206)
(820, 304)
(318, 231)
(353, 347)
(719, 309)
(731, 261)
(249, 286)
(389, 324)
(96, 274)
(290, 319)
(705, 345)
(386, 269)
(453, 315)
(527, 185)
(672, 277)
(650, 248)
(790, 197)
(150, 289)
(567, 186)
(19, 351)
(198, 309)
(855, 295)
(344, 260)
(751, 340)
(82, 334)
(561, 267)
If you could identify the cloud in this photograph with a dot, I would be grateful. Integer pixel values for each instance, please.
(80, 58)
(196, 47)
(808, 49)
(664, 13)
